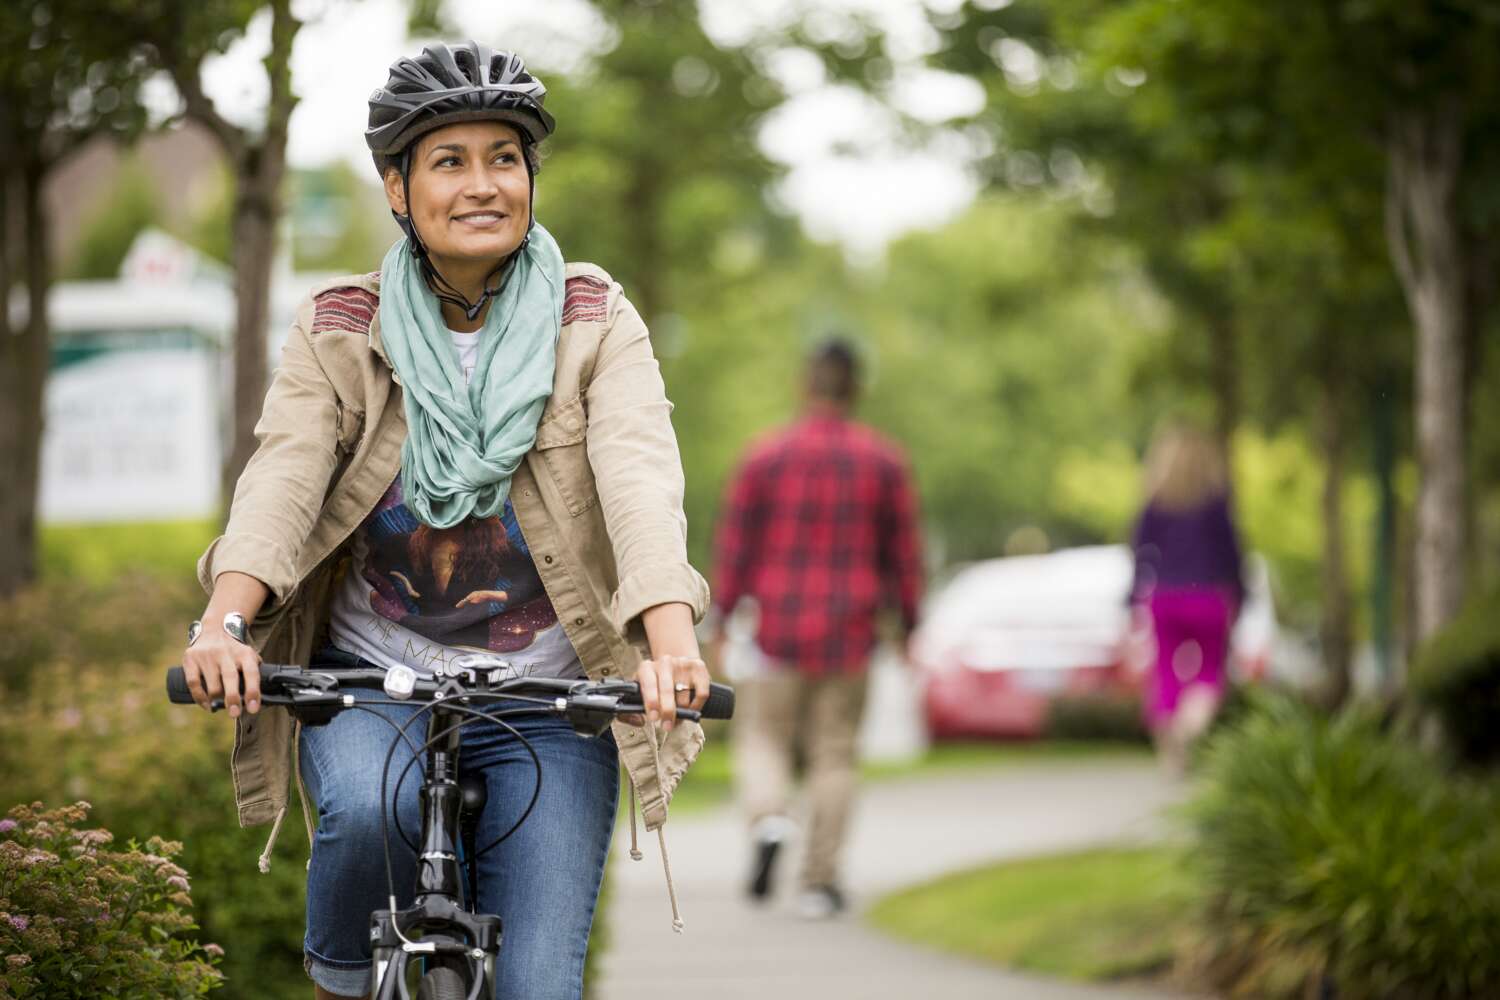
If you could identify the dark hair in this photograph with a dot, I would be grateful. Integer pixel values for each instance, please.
(833, 370)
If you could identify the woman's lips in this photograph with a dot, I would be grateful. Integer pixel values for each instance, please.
(481, 220)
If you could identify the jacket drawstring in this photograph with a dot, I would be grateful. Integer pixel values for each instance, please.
(265, 856)
(661, 832)
(307, 819)
(635, 846)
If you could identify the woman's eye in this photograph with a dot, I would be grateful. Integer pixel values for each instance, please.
(445, 161)
(506, 158)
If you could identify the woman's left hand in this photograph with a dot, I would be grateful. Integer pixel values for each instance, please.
(672, 682)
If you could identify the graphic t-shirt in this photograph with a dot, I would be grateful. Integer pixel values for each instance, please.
(420, 596)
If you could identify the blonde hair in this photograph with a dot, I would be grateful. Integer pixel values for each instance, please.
(1184, 468)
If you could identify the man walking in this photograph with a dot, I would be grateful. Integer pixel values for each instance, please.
(820, 529)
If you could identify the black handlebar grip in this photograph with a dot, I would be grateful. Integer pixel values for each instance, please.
(720, 704)
(177, 688)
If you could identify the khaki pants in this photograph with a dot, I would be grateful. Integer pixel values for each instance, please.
(779, 713)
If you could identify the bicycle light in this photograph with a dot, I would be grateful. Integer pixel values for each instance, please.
(400, 682)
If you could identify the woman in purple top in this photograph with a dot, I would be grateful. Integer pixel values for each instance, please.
(1188, 582)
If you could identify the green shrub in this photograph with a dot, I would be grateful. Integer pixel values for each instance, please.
(78, 920)
(1096, 717)
(101, 729)
(59, 623)
(1332, 850)
(1456, 676)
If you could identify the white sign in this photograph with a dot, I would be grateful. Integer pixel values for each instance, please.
(132, 435)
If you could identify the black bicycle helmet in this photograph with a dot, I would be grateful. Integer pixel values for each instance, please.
(447, 84)
(453, 83)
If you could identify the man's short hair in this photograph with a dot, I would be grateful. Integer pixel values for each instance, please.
(833, 370)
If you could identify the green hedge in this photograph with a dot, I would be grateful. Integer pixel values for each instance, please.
(1096, 717)
(1332, 851)
(100, 729)
(1456, 676)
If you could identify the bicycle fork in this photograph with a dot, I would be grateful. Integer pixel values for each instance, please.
(436, 929)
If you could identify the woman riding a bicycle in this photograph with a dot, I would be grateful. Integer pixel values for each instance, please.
(468, 451)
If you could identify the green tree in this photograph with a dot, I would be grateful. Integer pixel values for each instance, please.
(654, 171)
(1264, 238)
(63, 80)
(339, 221)
(179, 36)
(1292, 86)
(130, 207)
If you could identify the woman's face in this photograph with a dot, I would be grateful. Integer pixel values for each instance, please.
(470, 192)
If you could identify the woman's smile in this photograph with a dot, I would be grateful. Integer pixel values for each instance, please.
(482, 219)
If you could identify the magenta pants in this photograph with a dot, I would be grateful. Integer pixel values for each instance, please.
(1192, 644)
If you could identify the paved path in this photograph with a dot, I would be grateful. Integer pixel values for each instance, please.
(907, 831)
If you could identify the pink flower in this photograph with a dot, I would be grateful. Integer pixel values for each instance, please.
(19, 922)
(178, 882)
(7, 825)
(214, 950)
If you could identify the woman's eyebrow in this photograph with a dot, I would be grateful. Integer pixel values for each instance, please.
(458, 147)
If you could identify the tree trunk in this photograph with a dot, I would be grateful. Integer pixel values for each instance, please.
(23, 373)
(1334, 629)
(1382, 584)
(1424, 160)
(254, 227)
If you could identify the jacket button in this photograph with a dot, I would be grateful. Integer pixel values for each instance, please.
(526, 493)
(577, 621)
(547, 560)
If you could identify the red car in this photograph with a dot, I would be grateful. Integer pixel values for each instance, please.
(1005, 637)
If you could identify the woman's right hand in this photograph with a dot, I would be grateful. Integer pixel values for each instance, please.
(213, 667)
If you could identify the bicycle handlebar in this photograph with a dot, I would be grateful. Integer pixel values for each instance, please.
(319, 688)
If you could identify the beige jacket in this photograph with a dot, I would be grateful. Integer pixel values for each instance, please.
(599, 499)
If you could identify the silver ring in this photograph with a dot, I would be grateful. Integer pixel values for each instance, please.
(679, 688)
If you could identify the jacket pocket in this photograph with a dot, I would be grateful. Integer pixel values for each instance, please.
(561, 441)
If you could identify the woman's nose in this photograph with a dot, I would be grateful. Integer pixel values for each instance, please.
(479, 184)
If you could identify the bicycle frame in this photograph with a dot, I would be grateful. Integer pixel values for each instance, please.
(451, 934)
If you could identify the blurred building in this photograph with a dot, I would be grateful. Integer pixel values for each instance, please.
(138, 395)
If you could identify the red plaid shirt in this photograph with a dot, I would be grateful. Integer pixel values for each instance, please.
(820, 527)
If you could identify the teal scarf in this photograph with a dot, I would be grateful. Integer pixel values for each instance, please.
(463, 443)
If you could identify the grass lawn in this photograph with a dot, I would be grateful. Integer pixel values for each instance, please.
(710, 781)
(99, 552)
(1093, 915)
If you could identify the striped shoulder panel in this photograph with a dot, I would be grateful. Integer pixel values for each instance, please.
(349, 310)
(586, 300)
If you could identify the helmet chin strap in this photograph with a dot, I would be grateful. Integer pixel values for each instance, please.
(441, 287)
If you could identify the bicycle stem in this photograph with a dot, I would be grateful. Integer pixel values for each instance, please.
(437, 862)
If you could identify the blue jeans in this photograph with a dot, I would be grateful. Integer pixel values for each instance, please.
(543, 881)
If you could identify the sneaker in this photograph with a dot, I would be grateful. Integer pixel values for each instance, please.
(820, 902)
(769, 834)
(760, 872)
